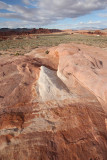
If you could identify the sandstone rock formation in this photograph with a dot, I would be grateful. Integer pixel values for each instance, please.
(6, 33)
(53, 107)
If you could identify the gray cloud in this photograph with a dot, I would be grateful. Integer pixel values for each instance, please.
(29, 2)
(3, 5)
(44, 12)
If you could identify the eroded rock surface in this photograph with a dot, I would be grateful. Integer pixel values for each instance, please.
(51, 87)
(88, 65)
(47, 114)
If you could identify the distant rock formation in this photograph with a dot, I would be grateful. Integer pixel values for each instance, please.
(53, 106)
(24, 31)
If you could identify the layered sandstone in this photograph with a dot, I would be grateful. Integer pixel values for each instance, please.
(52, 107)
(88, 65)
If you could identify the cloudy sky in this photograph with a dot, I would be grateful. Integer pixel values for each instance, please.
(62, 14)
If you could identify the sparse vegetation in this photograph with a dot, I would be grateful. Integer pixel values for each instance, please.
(47, 52)
(24, 45)
(17, 54)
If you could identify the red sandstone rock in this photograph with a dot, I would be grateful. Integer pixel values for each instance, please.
(48, 117)
(5, 33)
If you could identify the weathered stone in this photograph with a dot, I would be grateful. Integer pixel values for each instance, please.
(50, 115)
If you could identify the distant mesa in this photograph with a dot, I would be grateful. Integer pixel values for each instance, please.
(24, 31)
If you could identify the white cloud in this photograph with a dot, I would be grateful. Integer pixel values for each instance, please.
(44, 12)
(81, 25)
(27, 2)
(19, 24)
(103, 15)
(91, 24)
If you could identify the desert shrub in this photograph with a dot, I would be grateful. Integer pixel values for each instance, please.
(17, 54)
(47, 52)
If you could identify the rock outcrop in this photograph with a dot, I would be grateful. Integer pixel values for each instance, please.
(53, 107)
(6, 33)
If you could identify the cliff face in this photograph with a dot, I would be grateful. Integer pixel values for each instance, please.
(53, 107)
